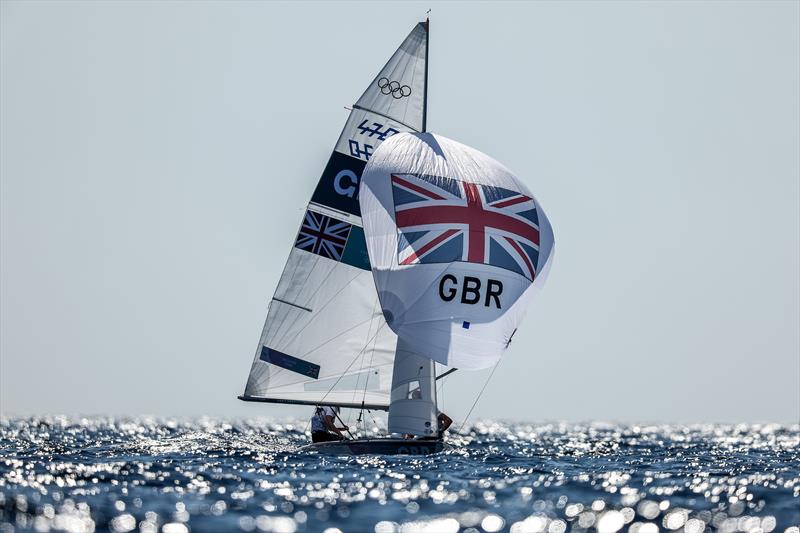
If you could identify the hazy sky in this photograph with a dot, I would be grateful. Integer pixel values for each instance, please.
(157, 158)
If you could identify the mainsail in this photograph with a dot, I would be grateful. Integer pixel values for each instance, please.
(457, 245)
(325, 339)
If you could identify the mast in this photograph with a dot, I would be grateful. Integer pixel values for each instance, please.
(425, 95)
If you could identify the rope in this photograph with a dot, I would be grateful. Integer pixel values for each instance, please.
(369, 367)
(479, 396)
(366, 382)
(374, 422)
(322, 401)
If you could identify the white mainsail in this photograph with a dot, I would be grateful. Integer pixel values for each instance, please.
(325, 339)
(457, 245)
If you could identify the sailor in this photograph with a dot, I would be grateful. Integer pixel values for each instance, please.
(443, 422)
(323, 425)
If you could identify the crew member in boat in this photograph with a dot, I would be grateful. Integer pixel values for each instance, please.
(443, 422)
(323, 425)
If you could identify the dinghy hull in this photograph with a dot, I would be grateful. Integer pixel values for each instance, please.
(377, 447)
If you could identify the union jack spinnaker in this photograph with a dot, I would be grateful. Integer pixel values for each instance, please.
(457, 245)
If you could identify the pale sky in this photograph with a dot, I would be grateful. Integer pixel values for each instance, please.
(157, 158)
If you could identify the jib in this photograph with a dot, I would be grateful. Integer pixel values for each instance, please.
(470, 290)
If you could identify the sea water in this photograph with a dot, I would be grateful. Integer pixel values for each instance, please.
(149, 475)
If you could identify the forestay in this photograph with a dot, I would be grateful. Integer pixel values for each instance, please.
(324, 339)
(457, 245)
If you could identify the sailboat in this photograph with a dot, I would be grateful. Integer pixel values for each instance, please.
(414, 250)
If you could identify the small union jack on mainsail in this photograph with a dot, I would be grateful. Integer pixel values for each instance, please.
(323, 235)
(440, 220)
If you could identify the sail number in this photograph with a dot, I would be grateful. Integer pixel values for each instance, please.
(346, 183)
(470, 289)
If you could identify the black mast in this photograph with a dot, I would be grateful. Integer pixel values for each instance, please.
(425, 96)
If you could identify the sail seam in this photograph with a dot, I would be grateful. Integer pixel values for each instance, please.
(412, 128)
(305, 354)
(279, 387)
(320, 309)
(338, 213)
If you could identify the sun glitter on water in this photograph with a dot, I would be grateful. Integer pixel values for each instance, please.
(174, 476)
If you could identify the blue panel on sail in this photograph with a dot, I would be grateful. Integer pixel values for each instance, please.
(355, 251)
(268, 355)
(338, 186)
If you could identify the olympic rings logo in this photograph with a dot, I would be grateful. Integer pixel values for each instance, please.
(394, 88)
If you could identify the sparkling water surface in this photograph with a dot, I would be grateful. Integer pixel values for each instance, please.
(172, 476)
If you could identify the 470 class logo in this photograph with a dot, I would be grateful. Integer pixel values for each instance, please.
(394, 88)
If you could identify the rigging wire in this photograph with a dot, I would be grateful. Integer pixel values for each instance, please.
(315, 348)
(319, 310)
(440, 390)
(369, 367)
(479, 396)
(322, 401)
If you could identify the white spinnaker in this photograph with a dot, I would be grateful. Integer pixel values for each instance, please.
(325, 339)
(457, 245)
